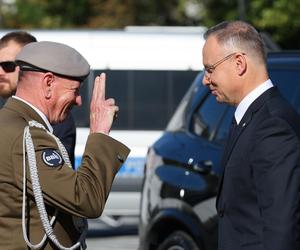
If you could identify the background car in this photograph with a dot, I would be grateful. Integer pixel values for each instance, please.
(183, 166)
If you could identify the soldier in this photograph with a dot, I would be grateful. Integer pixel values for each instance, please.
(10, 45)
(36, 180)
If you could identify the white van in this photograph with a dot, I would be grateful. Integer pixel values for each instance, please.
(148, 71)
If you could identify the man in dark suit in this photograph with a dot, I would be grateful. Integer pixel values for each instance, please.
(258, 202)
(10, 45)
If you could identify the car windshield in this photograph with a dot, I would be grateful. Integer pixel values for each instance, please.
(211, 120)
(177, 122)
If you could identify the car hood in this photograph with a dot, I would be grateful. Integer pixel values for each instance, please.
(181, 147)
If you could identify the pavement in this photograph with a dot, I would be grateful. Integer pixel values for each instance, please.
(113, 234)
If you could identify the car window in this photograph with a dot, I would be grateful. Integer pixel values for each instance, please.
(288, 82)
(223, 129)
(206, 118)
(195, 92)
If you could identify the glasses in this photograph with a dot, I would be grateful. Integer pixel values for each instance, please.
(8, 66)
(210, 68)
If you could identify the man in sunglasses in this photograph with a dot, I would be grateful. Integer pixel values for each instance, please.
(258, 199)
(10, 45)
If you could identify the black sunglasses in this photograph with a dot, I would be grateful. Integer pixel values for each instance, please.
(8, 66)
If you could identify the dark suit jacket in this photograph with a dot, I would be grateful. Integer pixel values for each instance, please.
(66, 132)
(259, 192)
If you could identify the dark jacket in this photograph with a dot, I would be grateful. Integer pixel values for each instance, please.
(66, 132)
(259, 193)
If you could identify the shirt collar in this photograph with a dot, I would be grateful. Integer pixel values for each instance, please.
(40, 113)
(251, 97)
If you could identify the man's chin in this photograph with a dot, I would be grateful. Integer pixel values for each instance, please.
(6, 92)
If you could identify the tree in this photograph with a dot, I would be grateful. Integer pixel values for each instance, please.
(111, 13)
(277, 17)
(45, 14)
(280, 18)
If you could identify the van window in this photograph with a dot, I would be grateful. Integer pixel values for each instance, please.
(146, 98)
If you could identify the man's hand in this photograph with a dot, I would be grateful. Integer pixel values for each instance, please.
(102, 111)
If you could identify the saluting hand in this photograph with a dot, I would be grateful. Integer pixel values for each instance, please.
(102, 112)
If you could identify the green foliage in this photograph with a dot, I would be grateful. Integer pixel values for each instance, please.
(46, 14)
(280, 18)
(157, 12)
(111, 13)
(218, 11)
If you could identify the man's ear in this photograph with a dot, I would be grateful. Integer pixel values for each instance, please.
(240, 63)
(48, 83)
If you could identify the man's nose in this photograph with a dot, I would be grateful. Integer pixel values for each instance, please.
(78, 101)
(206, 79)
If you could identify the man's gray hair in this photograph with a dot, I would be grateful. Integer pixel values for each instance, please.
(239, 35)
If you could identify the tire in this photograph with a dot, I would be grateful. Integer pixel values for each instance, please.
(178, 240)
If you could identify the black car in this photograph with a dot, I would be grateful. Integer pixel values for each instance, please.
(182, 168)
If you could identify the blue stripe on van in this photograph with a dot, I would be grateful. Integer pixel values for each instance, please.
(132, 167)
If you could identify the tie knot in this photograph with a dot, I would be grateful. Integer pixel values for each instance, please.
(234, 123)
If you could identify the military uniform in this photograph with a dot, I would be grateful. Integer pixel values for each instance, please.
(82, 193)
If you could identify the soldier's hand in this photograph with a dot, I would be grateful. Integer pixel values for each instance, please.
(102, 112)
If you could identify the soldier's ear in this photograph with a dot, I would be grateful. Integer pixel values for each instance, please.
(48, 83)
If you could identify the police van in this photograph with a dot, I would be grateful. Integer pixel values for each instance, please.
(148, 70)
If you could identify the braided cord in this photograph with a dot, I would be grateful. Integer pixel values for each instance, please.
(28, 147)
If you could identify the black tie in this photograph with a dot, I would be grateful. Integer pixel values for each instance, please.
(232, 128)
(232, 131)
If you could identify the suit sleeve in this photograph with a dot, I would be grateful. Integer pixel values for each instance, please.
(82, 192)
(276, 173)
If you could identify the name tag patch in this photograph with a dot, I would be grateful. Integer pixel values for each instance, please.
(52, 158)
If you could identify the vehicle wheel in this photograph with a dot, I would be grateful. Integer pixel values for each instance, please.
(178, 240)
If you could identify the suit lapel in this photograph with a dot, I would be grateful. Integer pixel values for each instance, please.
(254, 107)
(230, 145)
(235, 135)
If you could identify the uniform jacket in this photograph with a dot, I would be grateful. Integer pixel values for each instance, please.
(259, 193)
(82, 193)
(65, 131)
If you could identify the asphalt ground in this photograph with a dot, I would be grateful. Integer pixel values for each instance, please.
(104, 237)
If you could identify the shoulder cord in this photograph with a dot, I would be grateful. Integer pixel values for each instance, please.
(37, 192)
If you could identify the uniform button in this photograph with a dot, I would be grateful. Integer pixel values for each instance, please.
(221, 213)
(120, 158)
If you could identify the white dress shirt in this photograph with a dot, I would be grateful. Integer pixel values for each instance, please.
(250, 98)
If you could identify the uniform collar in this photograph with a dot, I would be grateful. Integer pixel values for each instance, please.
(40, 113)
